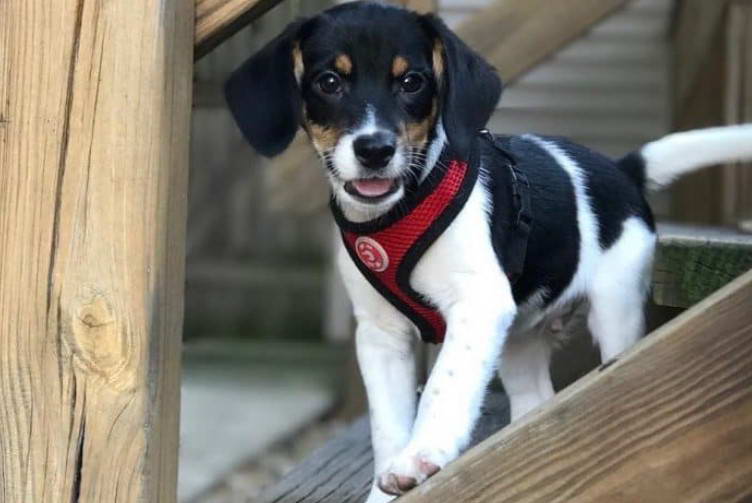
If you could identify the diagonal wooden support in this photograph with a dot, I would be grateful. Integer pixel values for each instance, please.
(670, 421)
(218, 20)
(516, 35)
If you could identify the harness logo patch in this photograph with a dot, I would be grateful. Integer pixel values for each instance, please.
(372, 254)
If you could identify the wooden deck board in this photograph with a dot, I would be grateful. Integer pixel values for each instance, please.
(341, 471)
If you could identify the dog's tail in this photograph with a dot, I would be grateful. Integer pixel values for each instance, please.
(660, 162)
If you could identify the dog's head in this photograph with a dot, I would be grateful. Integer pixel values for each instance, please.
(378, 89)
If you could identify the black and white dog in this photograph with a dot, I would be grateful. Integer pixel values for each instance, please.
(450, 234)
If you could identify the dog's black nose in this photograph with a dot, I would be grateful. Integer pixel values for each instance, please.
(374, 151)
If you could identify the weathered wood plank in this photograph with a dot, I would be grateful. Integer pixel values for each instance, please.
(670, 421)
(341, 471)
(94, 127)
(516, 35)
(218, 20)
(692, 262)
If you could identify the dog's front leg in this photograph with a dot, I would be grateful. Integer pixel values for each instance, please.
(451, 402)
(387, 363)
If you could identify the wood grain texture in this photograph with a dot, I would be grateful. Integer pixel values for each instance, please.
(516, 35)
(693, 262)
(341, 471)
(670, 421)
(218, 20)
(94, 128)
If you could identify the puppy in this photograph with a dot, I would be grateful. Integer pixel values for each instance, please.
(452, 234)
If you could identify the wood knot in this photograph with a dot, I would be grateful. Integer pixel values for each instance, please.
(100, 341)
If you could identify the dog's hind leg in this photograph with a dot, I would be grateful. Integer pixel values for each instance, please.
(524, 370)
(619, 288)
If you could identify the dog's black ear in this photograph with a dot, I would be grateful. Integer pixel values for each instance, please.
(470, 86)
(264, 96)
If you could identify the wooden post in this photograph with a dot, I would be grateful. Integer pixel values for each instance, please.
(517, 35)
(94, 129)
(737, 180)
(712, 86)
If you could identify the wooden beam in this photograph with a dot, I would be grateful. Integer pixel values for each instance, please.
(218, 20)
(94, 127)
(670, 421)
(516, 35)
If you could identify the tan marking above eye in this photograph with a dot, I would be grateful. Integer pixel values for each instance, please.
(438, 60)
(343, 64)
(399, 66)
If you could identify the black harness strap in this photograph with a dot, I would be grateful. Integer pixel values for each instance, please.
(522, 220)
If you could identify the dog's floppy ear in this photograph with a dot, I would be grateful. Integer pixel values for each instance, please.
(264, 96)
(470, 86)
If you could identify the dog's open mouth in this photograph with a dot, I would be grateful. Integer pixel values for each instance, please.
(372, 189)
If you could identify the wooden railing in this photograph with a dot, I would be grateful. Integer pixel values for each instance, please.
(218, 20)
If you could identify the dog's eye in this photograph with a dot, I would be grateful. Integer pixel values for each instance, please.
(411, 83)
(329, 83)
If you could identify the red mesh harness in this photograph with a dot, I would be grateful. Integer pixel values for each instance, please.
(387, 249)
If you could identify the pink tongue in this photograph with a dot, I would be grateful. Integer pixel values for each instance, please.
(373, 187)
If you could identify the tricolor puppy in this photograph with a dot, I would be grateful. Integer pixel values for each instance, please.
(450, 233)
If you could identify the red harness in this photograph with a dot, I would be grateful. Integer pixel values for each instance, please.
(386, 250)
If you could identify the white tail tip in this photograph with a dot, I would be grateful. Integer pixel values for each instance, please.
(679, 153)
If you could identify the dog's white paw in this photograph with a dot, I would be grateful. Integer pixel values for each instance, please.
(409, 469)
(378, 496)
